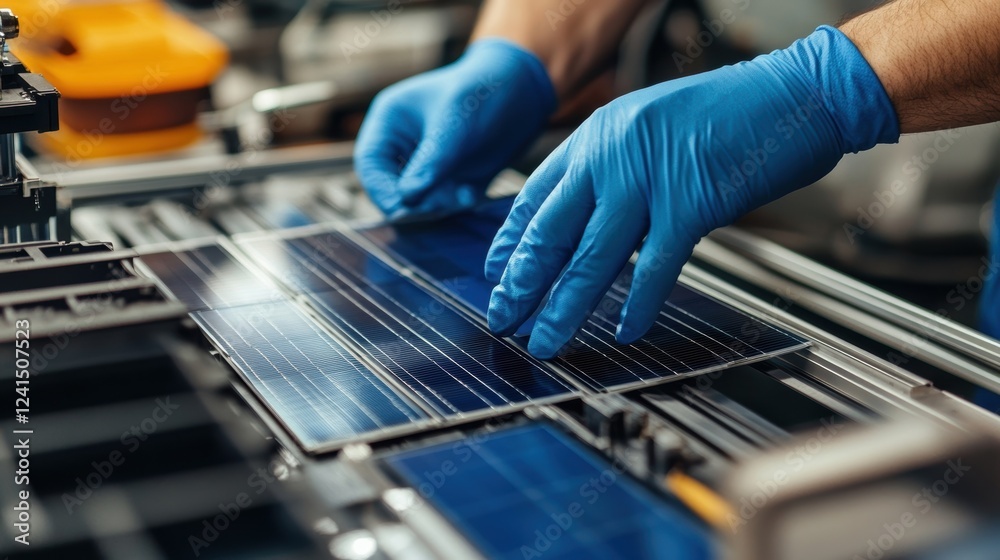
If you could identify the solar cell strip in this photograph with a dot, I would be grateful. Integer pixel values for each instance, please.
(692, 334)
(451, 252)
(208, 277)
(455, 365)
(505, 492)
(311, 382)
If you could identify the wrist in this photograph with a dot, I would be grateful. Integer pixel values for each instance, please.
(534, 79)
(836, 77)
(575, 41)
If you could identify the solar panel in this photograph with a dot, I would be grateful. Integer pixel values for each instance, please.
(208, 277)
(694, 333)
(532, 492)
(453, 364)
(311, 382)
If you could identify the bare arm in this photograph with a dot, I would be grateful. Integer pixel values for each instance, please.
(939, 60)
(573, 39)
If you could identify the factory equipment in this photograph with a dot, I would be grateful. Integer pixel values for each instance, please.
(28, 206)
(232, 355)
(358, 374)
(133, 74)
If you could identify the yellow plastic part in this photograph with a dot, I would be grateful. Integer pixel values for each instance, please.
(119, 51)
(701, 499)
(75, 146)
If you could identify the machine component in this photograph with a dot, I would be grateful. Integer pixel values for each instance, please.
(132, 74)
(28, 206)
(531, 491)
(322, 301)
(40, 250)
(917, 493)
(71, 287)
(127, 415)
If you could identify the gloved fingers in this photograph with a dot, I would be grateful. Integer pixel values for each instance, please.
(608, 242)
(440, 149)
(544, 249)
(444, 200)
(535, 192)
(385, 142)
(656, 270)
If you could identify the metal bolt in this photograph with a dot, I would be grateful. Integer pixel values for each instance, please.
(10, 26)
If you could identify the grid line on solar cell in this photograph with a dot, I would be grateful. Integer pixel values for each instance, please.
(399, 356)
(455, 365)
(692, 334)
(514, 483)
(208, 278)
(312, 383)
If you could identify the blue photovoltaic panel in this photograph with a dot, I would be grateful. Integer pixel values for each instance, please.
(312, 383)
(455, 365)
(693, 334)
(532, 492)
(451, 252)
(208, 278)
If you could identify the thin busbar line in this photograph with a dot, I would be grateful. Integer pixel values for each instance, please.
(443, 337)
(335, 274)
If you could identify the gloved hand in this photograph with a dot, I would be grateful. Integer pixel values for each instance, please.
(671, 163)
(433, 143)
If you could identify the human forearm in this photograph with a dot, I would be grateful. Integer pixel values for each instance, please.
(574, 40)
(939, 60)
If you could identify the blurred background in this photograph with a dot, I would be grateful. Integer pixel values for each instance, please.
(249, 76)
(189, 130)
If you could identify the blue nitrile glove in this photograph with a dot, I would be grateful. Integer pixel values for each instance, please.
(433, 143)
(989, 303)
(671, 163)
